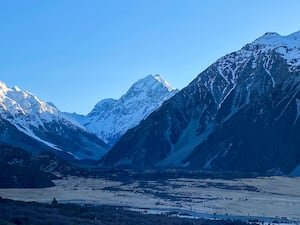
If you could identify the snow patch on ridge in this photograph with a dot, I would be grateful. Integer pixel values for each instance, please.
(287, 46)
(164, 82)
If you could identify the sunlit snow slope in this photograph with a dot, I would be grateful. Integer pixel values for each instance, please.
(34, 125)
(111, 118)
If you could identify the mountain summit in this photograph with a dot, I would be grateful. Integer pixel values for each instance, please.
(240, 114)
(111, 118)
(34, 125)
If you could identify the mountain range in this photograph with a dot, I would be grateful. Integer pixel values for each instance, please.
(240, 114)
(36, 126)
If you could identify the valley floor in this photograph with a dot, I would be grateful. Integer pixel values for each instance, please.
(266, 199)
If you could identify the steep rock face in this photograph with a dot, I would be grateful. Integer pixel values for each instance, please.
(217, 96)
(262, 137)
(29, 123)
(111, 118)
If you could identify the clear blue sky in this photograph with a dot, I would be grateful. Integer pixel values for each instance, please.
(75, 53)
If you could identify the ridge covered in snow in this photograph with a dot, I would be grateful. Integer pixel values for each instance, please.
(275, 39)
(164, 82)
(287, 46)
(43, 123)
(111, 118)
(24, 108)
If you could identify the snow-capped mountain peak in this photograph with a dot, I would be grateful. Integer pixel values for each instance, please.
(111, 118)
(288, 47)
(149, 84)
(14, 101)
(164, 82)
(16, 88)
(3, 88)
(43, 123)
(269, 36)
(263, 49)
(275, 40)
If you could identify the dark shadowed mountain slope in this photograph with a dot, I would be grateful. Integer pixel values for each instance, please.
(262, 137)
(22, 169)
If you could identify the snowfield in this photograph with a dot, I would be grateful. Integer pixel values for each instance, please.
(266, 199)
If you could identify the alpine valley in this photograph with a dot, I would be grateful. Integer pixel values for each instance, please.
(241, 114)
(223, 150)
